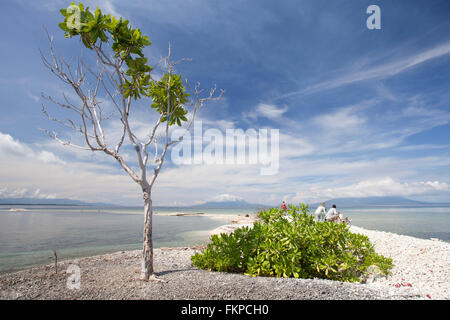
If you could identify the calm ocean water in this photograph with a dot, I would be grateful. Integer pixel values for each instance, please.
(28, 238)
(419, 222)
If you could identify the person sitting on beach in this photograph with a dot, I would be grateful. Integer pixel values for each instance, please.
(344, 219)
(320, 212)
(335, 216)
(332, 214)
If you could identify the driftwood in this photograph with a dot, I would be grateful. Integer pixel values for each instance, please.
(55, 256)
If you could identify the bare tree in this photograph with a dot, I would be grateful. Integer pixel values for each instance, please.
(111, 78)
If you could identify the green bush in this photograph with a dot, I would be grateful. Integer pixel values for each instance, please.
(292, 244)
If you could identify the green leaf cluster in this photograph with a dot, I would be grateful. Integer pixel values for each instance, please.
(293, 244)
(96, 28)
(178, 97)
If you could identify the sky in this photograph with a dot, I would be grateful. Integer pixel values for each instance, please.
(360, 112)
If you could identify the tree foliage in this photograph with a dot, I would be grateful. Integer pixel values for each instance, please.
(128, 44)
(293, 244)
(178, 97)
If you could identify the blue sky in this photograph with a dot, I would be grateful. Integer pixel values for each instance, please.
(360, 112)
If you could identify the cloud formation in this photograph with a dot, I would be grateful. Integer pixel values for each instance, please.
(13, 147)
(373, 188)
(380, 71)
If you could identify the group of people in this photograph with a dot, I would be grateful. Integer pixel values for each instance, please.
(322, 215)
(332, 215)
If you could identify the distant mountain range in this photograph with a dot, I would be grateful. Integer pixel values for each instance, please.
(376, 201)
(70, 202)
(61, 202)
(339, 202)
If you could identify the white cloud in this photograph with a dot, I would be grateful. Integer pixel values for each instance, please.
(293, 146)
(73, 180)
(98, 181)
(107, 6)
(372, 188)
(269, 111)
(10, 146)
(24, 193)
(29, 171)
(424, 147)
(91, 177)
(341, 119)
(381, 71)
(221, 124)
(226, 198)
(362, 127)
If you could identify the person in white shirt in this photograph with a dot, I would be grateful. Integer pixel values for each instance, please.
(332, 214)
(320, 212)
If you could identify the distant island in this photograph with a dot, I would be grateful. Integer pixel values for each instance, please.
(59, 202)
(238, 203)
(376, 201)
(339, 202)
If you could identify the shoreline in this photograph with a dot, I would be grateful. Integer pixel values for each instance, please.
(420, 272)
(225, 220)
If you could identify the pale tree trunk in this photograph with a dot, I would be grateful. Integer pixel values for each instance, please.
(147, 249)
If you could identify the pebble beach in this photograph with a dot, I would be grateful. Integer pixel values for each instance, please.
(420, 272)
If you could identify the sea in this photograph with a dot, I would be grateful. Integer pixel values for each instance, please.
(28, 238)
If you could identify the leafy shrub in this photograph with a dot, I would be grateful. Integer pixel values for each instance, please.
(292, 244)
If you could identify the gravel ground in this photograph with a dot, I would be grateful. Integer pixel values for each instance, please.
(421, 267)
(420, 272)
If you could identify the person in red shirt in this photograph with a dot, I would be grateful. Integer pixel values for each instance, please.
(284, 206)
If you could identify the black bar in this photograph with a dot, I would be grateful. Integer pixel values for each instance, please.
(226, 309)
